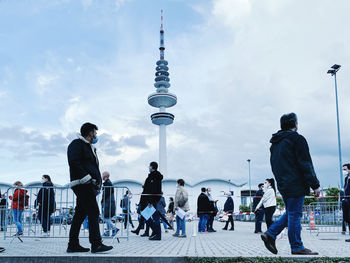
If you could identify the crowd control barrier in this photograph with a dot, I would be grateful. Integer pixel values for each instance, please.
(48, 212)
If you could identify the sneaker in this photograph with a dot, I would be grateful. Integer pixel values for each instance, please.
(305, 251)
(135, 232)
(145, 235)
(224, 228)
(46, 234)
(232, 229)
(166, 231)
(77, 248)
(269, 243)
(19, 234)
(182, 236)
(115, 231)
(152, 238)
(175, 235)
(343, 232)
(106, 234)
(101, 248)
(2, 249)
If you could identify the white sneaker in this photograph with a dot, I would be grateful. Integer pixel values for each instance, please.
(46, 234)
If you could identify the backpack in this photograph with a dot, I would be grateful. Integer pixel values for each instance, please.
(182, 200)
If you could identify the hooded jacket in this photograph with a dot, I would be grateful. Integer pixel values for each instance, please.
(292, 165)
(152, 185)
(19, 199)
(203, 204)
(82, 160)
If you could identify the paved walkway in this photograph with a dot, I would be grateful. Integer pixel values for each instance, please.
(241, 242)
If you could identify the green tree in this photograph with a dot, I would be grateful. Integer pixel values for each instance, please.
(309, 200)
(332, 191)
(244, 209)
(280, 203)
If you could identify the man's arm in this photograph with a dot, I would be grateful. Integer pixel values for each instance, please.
(74, 159)
(304, 163)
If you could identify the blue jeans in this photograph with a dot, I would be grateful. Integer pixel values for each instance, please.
(202, 222)
(181, 225)
(259, 216)
(291, 219)
(164, 223)
(17, 218)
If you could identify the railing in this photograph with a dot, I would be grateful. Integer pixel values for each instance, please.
(49, 211)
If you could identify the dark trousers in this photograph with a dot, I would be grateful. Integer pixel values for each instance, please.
(259, 216)
(269, 211)
(210, 222)
(230, 220)
(127, 219)
(155, 225)
(2, 218)
(44, 218)
(86, 206)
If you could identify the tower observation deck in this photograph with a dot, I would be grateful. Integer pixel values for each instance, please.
(162, 99)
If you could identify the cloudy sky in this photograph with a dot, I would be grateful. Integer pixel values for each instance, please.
(235, 65)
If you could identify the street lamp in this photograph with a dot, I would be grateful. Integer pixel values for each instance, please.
(333, 71)
(250, 187)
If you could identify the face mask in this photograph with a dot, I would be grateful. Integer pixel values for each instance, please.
(345, 173)
(150, 170)
(43, 181)
(94, 140)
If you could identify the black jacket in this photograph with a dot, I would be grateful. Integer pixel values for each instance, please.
(203, 204)
(171, 208)
(152, 185)
(108, 200)
(229, 206)
(82, 161)
(292, 165)
(46, 199)
(346, 187)
(258, 195)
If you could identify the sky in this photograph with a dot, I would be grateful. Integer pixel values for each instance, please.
(235, 65)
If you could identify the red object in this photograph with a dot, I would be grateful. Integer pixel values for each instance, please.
(20, 199)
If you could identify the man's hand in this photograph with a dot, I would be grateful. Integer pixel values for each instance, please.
(317, 192)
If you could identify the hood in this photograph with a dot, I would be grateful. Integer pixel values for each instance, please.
(156, 174)
(280, 135)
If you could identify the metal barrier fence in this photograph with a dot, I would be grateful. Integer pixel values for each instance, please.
(32, 212)
(323, 217)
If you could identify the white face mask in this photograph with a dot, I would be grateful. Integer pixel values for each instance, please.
(345, 173)
(43, 181)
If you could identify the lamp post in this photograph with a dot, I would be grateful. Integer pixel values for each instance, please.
(250, 187)
(333, 71)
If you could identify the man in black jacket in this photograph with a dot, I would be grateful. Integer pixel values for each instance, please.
(228, 208)
(108, 205)
(294, 172)
(259, 214)
(345, 196)
(203, 207)
(152, 190)
(86, 182)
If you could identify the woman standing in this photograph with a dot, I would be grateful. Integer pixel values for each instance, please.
(268, 201)
(19, 202)
(46, 203)
(181, 202)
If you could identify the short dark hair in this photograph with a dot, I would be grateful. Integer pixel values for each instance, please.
(86, 128)
(181, 182)
(203, 189)
(154, 166)
(347, 165)
(288, 121)
(260, 185)
(171, 199)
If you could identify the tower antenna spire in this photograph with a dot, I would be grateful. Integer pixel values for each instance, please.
(161, 47)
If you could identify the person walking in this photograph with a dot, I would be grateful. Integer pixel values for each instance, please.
(2, 212)
(259, 213)
(20, 200)
(346, 198)
(108, 205)
(45, 201)
(126, 210)
(212, 211)
(161, 205)
(294, 172)
(228, 208)
(203, 210)
(152, 193)
(86, 183)
(268, 201)
(181, 202)
(171, 212)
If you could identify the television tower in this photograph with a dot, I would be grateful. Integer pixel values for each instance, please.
(162, 99)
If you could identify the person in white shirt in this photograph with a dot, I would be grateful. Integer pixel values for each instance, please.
(268, 201)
